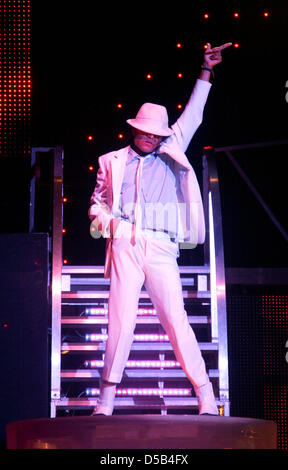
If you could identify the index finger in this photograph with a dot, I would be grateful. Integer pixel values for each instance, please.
(224, 46)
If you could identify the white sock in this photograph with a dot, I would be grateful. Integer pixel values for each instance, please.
(107, 394)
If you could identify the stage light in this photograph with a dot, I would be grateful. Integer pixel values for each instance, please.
(15, 79)
(119, 106)
(91, 168)
(178, 45)
(206, 16)
(266, 14)
(102, 311)
(90, 137)
(137, 337)
(205, 46)
(179, 106)
(236, 45)
(64, 230)
(148, 76)
(122, 392)
(137, 364)
(65, 261)
(64, 199)
(95, 337)
(96, 311)
(120, 136)
(180, 75)
(236, 15)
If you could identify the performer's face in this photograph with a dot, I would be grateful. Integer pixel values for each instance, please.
(144, 142)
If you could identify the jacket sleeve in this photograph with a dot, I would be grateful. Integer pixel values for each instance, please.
(99, 211)
(191, 118)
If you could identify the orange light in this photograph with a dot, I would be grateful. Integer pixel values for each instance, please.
(205, 46)
(236, 45)
(148, 76)
(266, 14)
(120, 136)
(206, 16)
(119, 105)
(64, 199)
(179, 106)
(179, 75)
(91, 168)
(64, 230)
(65, 261)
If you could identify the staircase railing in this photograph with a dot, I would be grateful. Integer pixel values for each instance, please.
(54, 227)
(214, 257)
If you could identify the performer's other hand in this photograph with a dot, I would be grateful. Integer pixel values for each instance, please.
(212, 56)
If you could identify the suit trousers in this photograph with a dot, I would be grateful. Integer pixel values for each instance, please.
(153, 263)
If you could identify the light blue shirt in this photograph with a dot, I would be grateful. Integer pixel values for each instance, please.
(158, 192)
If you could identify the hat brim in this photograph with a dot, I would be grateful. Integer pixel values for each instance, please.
(150, 128)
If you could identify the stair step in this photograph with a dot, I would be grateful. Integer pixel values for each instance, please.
(85, 374)
(143, 295)
(136, 346)
(100, 269)
(135, 403)
(131, 402)
(144, 320)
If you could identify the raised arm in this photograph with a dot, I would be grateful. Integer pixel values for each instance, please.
(191, 118)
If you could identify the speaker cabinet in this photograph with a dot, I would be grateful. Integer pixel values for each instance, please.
(24, 325)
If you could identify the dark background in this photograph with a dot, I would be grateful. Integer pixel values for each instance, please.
(88, 58)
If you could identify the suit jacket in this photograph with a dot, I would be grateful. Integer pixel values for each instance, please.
(106, 196)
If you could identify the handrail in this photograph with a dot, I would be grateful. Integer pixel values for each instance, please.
(214, 249)
(55, 234)
(214, 256)
(57, 272)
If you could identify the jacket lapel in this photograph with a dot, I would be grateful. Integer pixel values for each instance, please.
(118, 163)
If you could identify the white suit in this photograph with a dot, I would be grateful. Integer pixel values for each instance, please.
(105, 198)
(151, 262)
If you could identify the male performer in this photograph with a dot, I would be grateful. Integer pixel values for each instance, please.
(147, 201)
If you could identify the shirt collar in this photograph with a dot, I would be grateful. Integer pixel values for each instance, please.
(132, 154)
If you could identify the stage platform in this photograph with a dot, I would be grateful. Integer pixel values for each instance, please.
(142, 432)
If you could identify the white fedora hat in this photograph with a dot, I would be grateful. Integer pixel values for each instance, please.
(152, 118)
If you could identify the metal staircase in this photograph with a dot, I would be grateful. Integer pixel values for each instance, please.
(152, 382)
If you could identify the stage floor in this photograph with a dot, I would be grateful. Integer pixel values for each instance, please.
(142, 432)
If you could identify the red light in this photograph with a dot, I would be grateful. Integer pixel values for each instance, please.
(65, 261)
(64, 199)
(119, 106)
(90, 137)
(178, 45)
(64, 230)
(236, 15)
(236, 45)
(148, 76)
(206, 16)
(266, 14)
(120, 136)
(205, 46)
(179, 75)
(91, 168)
(179, 106)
